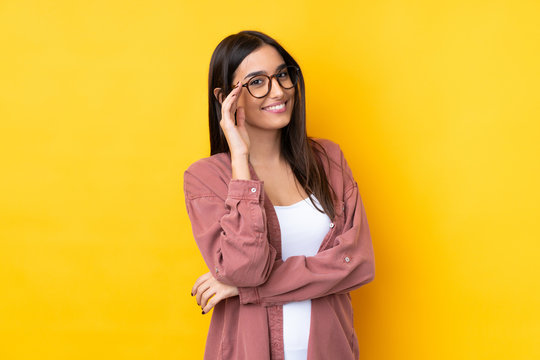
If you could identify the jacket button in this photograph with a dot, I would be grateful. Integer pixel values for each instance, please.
(253, 189)
(331, 225)
(347, 259)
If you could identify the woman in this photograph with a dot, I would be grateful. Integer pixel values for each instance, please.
(277, 216)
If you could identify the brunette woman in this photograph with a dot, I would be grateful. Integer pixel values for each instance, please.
(276, 215)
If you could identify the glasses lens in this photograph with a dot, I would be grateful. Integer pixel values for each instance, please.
(287, 77)
(258, 86)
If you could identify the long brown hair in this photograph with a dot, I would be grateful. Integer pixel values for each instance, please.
(303, 154)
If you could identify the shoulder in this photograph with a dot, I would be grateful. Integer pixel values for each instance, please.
(329, 151)
(329, 146)
(209, 175)
(215, 163)
(336, 167)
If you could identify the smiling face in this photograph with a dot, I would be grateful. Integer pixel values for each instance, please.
(273, 111)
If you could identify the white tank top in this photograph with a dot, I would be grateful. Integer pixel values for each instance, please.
(303, 229)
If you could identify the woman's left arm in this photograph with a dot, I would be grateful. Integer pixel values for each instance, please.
(208, 291)
(340, 269)
(344, 267)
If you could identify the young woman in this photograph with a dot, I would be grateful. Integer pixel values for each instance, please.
(276, 215)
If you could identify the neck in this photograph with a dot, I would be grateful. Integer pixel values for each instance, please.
(265, 148)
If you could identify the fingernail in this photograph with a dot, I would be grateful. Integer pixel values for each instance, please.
(203, 312)
(191, 294)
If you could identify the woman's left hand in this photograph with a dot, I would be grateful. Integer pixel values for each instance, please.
(209, 292)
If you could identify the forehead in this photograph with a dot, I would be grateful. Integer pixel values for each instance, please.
(266, 58)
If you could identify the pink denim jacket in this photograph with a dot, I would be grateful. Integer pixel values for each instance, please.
(237, 231)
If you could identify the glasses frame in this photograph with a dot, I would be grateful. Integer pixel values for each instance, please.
(270, 81)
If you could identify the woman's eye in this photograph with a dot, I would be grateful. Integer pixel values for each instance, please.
(256, 82)
(282, 75)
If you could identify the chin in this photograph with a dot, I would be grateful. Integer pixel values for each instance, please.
(277, 121)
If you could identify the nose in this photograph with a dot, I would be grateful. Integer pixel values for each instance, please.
(276, 91)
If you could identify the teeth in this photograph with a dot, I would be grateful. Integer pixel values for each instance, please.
(275, 107)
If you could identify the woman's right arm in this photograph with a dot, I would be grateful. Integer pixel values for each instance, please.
(229, 226)
(228, 220)
(233, 124)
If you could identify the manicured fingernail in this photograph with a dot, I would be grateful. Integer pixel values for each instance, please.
(191, 294)
(203, 312)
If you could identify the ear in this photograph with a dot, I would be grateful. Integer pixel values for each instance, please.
(219, 95)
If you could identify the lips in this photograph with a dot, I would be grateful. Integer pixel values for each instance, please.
(277, 107)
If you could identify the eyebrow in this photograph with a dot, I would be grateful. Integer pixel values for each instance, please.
(260, 72)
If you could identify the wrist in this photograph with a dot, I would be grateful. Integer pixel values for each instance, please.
(240, 167)
(239, 157)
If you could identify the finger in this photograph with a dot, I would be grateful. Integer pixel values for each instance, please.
(237, 89)
(240, 116)
(229, 105)
(198, 282)
(201, 290)
(206, 296)
(213, 302)
(233, 95)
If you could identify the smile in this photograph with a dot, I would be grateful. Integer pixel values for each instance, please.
(275, 108)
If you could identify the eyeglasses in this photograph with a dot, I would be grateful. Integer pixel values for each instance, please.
(260, 85)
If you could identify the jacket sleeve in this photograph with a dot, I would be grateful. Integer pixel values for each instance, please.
(345, 266)
(230, 229)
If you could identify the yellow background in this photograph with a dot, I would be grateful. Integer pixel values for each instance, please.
(103, 106)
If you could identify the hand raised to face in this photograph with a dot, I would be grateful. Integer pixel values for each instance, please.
(233, 124)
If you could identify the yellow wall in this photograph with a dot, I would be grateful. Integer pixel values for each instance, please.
(103, 106)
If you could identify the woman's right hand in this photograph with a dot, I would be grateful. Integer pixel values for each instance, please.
(236, 134)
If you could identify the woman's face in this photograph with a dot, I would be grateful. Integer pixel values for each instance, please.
(273, 111)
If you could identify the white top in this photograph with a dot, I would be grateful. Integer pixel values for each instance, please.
(303, 229)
